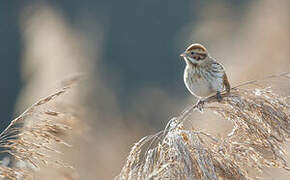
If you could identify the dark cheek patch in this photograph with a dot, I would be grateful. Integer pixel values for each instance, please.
(196, 57)
(199, 57)
(202, 56)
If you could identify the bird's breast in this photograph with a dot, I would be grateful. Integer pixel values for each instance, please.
(197, 83)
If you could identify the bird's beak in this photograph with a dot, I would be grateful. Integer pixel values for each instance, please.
(183, 54)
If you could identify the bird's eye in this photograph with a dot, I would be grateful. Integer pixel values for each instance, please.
(192, 53)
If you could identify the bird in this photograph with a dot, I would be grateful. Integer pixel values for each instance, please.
(203, 75)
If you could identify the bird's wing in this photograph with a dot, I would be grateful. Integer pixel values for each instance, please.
(219, 71)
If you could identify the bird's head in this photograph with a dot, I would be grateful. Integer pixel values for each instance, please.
(195, 53)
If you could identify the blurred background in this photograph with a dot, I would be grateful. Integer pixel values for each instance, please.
(129, 52)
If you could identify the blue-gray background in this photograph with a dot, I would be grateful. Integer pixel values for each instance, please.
(136, 60)
(139, 43)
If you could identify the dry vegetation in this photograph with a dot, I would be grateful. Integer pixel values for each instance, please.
(31, 138)
(261, 129)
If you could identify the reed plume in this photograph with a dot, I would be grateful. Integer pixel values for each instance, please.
(31, 137)
(260, 131)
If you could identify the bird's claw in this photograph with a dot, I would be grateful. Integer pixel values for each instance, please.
(200, 105)
(219, 96)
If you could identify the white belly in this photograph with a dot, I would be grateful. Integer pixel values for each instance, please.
(197, 85)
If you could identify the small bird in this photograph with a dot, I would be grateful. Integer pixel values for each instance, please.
(203, 75)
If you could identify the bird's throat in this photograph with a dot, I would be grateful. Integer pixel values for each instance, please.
(191, 63)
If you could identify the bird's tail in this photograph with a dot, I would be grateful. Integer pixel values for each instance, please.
(226, 83)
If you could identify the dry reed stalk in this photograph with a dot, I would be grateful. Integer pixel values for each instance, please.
(261, 129)
(32, 137)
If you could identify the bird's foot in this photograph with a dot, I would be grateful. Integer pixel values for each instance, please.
(219, 96)
(200, 105)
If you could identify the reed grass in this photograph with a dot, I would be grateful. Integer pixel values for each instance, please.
(32, 138)
(258, 138)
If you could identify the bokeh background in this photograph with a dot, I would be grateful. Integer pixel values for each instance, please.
(129, 52)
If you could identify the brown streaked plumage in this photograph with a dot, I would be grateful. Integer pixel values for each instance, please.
(197, 47)
(226, 83)
(203, 75)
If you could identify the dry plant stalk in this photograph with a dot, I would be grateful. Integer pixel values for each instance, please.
(261, 129)
(29, 142)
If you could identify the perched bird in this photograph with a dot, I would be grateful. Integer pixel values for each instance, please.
(203, 75)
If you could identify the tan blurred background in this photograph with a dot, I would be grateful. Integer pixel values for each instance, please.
(128, 52)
